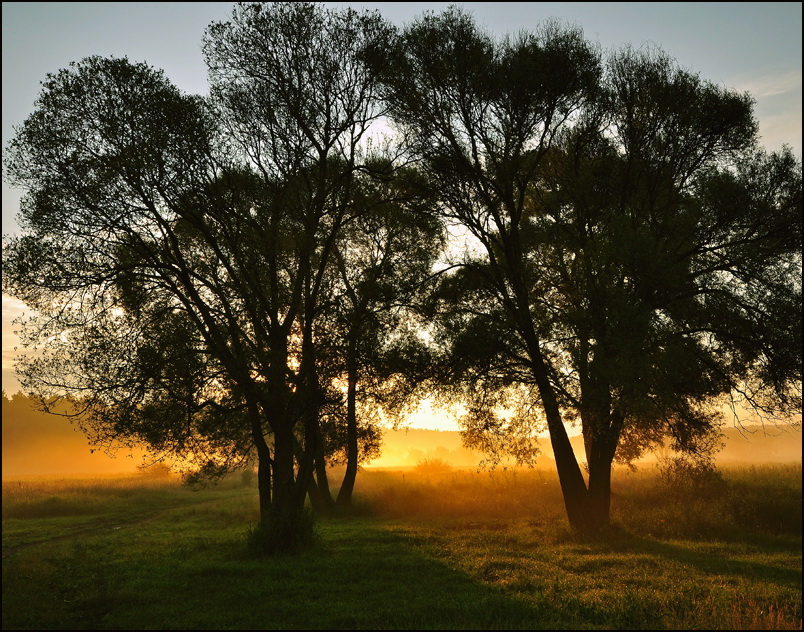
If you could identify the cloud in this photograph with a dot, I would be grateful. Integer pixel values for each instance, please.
(770, 85)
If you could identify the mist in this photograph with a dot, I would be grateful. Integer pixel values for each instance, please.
(37, 444)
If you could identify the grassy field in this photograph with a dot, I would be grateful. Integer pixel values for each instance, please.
(430, 548)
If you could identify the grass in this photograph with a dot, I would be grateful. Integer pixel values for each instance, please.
(444, 549)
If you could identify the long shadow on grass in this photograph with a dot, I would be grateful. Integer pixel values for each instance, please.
(175, 576)
(364, 577)
(187, 569)
(714, 562)
(186, 573)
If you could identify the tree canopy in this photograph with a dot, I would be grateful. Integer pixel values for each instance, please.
(631, 274)
(238, 275)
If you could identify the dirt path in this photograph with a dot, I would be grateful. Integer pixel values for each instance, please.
(100, 526)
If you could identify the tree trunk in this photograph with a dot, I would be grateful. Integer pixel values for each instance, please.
(284, 478)
(601, 447)
(573, 487)
(599, 492)
(314, 496)
(348, 485)
(570, 477)
(285, 527)
(264, 462)
(264, 485)
(312, 484)
(326, 503)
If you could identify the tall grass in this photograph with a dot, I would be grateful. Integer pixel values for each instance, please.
(652, 501)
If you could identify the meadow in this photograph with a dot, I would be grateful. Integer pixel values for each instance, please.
(430, 547)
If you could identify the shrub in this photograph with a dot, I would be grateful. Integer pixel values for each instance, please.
(157, 470)
(433, 465)
(691, 477)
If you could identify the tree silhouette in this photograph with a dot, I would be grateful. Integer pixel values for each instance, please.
(381, 264)
(625, 244)
(178, 246)
(296, 96)
(235, 275)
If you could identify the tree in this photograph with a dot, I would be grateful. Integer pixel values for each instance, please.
(625, 244)
(176, 247)
(382, 262)
(675, 266)
(108, 156)
(482, 117)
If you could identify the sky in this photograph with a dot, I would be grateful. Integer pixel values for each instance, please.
(741, 45)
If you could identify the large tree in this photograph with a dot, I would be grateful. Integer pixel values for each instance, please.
(175, 247)
(297, 95)
(633, 262)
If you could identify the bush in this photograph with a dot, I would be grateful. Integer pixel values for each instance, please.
(433, 465)
(692, 478)
(248, 477)
(156, 470)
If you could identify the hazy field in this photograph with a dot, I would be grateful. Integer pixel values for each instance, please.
(431, 547)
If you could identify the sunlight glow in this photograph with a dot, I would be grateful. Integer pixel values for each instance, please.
(430, 418)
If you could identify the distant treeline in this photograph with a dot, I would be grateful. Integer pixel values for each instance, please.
(39, 443)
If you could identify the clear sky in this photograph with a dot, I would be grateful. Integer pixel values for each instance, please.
(742, 45)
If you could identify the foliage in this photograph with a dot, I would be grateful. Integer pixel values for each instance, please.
(156, 470)
(100, 260)
(631, 272)
(175, 247)
(433, 465)
(691, 478)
